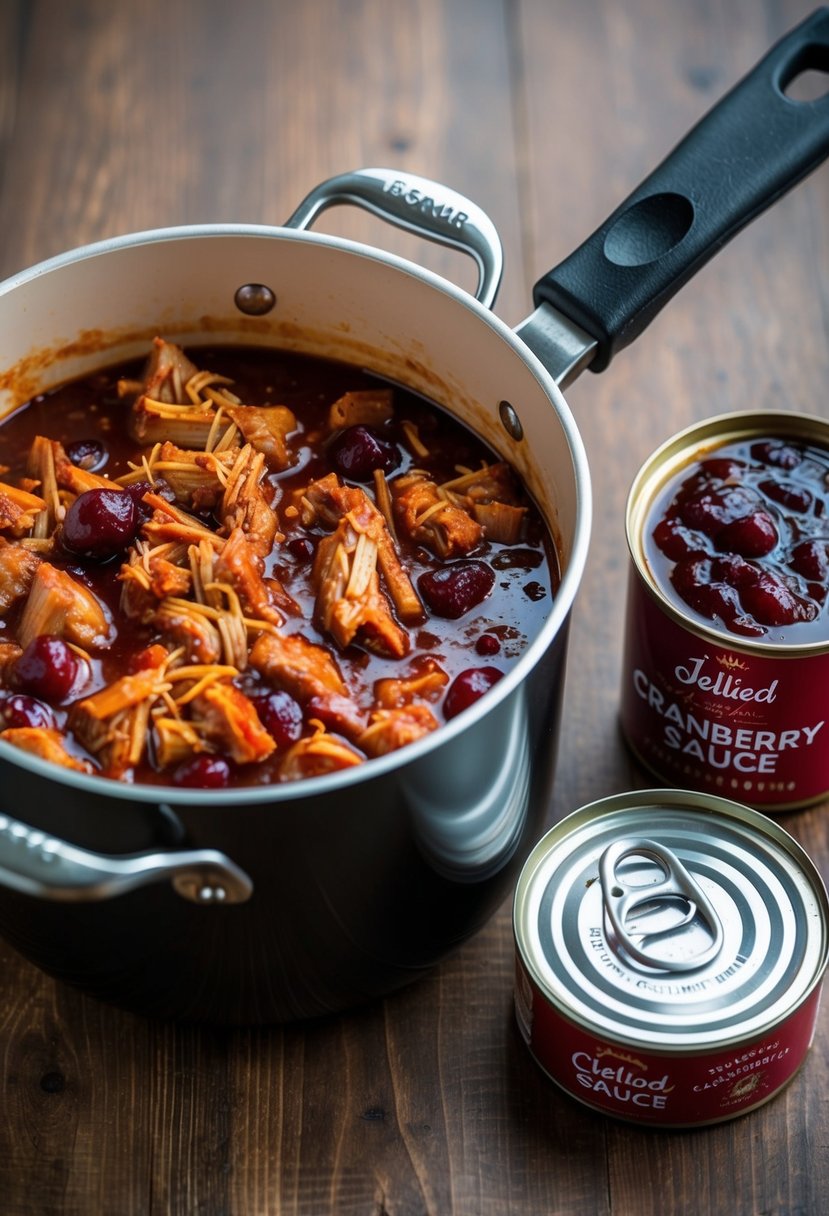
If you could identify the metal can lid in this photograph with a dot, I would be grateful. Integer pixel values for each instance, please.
(672, 919)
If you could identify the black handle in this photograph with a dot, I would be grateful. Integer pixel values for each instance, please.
(752, 147)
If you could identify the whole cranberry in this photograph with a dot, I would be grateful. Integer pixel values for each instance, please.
(675, 540)
(301, 547)
(47, 668)
(359, 450)
(701, 584)
(811, 559)
(280, 715)
(777, 453)
(88, 454)
(788, 493)
(771, 602)
(753, 536)
(22, 710)
(487, 644)
(453, 590)
(710, 510)
(136, 491)
(468, 687)
(203, 773)
(100, 523)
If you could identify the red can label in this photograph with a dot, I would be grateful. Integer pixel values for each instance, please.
(714, 717)
(634, 1083)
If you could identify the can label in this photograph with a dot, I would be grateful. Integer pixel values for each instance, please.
(630, 1082)
(713, 716)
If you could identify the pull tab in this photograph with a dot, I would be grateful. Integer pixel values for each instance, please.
(676, 898)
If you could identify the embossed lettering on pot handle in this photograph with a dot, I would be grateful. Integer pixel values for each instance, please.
(421, 206)
(677, 898)
(36, 863)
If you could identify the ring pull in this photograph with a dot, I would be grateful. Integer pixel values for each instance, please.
(418, 205)
(658, 909)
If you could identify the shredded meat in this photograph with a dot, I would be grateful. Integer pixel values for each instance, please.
(228, 718)
(266, 429)
(59, 605)
(315, 755)
(17, 571)
(48, 744)
(291, 662)
(18, 509)
(245, 504)
(391, 729)
(426, 516)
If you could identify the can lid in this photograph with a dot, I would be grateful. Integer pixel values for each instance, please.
(672, 919)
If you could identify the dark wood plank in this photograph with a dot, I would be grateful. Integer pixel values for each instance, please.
(748, 332)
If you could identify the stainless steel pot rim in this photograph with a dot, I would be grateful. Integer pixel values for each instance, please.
(571, 578)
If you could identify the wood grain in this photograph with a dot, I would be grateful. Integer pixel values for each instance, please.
(119, 117)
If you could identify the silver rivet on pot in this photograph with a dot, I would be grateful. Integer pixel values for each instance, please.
(510, 420)
(254, 299)
(212, 895)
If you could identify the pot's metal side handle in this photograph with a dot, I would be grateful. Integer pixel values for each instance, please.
(752, 147)
(421, 206)
(38, 864)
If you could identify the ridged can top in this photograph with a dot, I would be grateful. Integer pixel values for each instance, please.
(671, 919)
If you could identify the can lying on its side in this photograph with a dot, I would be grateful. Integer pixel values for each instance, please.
(739, 708)
(670, 952)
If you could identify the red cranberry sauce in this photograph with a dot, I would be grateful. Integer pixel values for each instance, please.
(741, 538)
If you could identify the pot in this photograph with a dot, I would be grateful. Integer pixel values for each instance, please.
(270, 904)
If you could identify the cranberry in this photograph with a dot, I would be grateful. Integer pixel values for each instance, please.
(136, 490)
(698, 583)
(47, 668)
(88, 454)
(300, 547)
(675, 540)
(721, 468)
(515, 558)
(711, 510)
(487, 644)
(754, 536)
(359, 450)
(280, 715)
(468, 687)
(100, 523)
(771, 602)
(811, 559)
(454, 589)
(777, 453)
(790, 495)
(203, 773)
(21, 710)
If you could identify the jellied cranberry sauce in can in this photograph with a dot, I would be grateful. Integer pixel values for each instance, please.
(725, 675)
(670, 953)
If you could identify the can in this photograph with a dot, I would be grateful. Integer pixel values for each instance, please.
(700, 706)
(670, 953)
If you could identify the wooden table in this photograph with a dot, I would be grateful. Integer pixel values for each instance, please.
(144, 113)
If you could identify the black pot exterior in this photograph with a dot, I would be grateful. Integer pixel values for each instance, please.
(357, 892)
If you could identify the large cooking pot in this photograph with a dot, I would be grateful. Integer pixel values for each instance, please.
(270, 904)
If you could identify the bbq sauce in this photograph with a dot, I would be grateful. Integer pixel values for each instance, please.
(512, 584)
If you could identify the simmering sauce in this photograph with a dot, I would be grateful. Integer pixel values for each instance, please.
(240, 566)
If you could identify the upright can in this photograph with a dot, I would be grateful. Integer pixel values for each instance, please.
(725, 673)
(670, 954)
